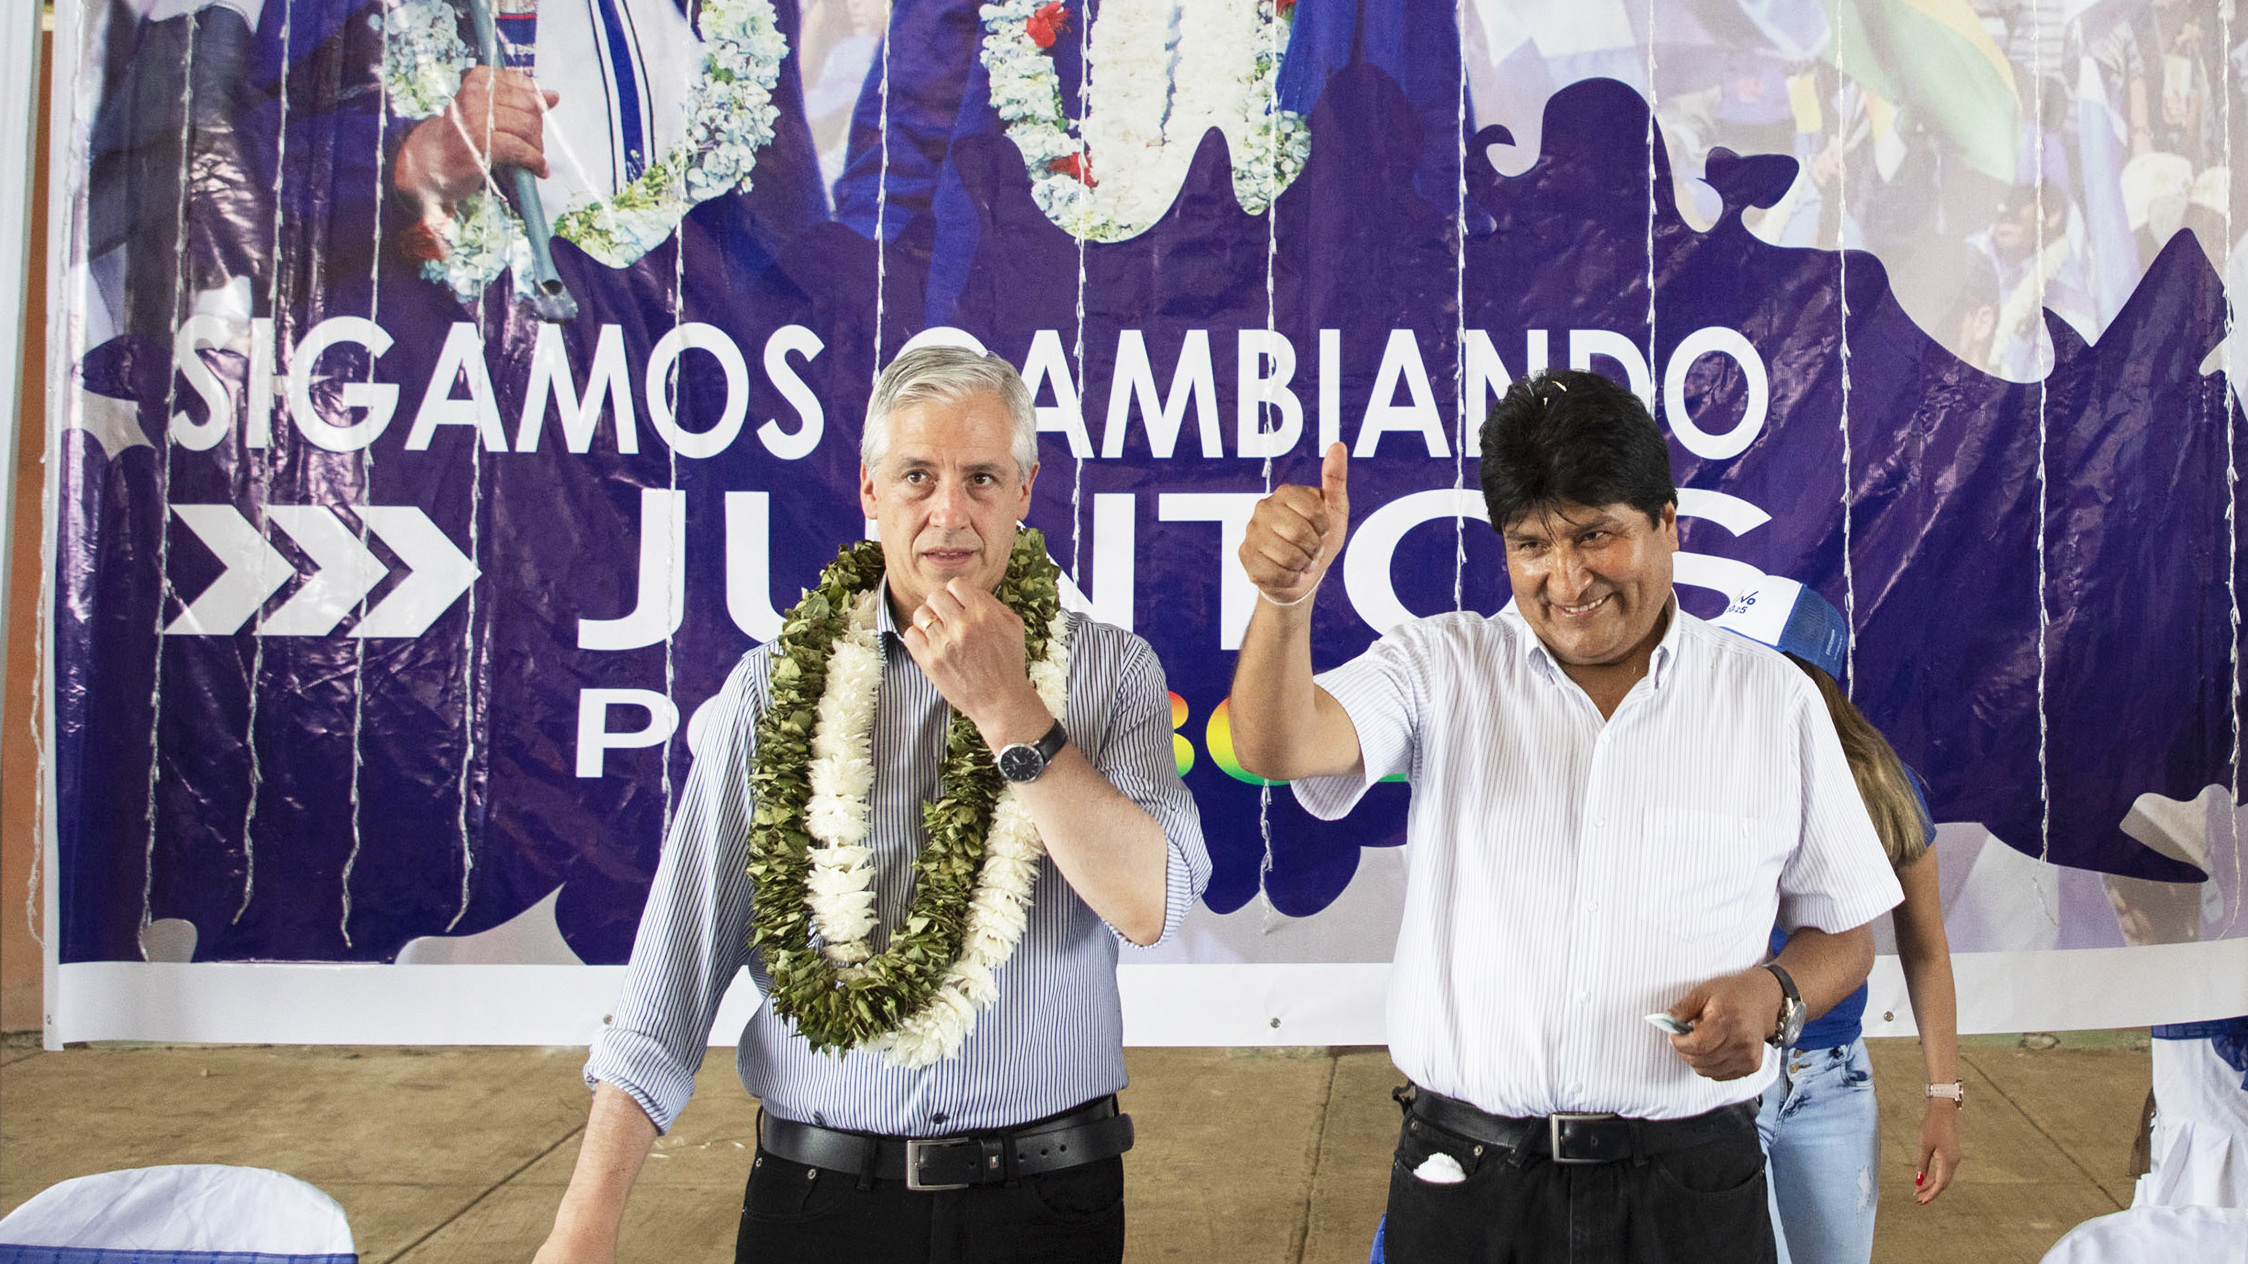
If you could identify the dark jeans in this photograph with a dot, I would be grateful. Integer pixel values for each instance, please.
(1690, 1206)
(793, 1214)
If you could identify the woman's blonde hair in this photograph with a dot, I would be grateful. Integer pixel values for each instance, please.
(1882, 781)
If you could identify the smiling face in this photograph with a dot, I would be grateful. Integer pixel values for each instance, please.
(946, 495)
(1593, 581)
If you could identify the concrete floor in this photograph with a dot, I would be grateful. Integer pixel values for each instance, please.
(1245, 1156)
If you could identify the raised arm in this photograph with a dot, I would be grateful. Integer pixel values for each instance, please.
(1109, 849)
(618, 1136)
(1284, 725)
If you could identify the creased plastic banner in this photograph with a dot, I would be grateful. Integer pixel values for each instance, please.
(408, 507)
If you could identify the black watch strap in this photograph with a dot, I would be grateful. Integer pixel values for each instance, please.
(1789, 1023)
(1022, 763)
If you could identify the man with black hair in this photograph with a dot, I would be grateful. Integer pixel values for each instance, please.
(1613, 804)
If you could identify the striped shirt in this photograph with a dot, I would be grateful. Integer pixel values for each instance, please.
(1567, 876)
(1055, 1036)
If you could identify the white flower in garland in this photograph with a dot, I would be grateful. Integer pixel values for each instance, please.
(1000, 907)
(423, 57)
(840, 888)
(1229, 78)
(483, 239)
(730, 116)
(841, 884)
(1026, 94)
(1129, 67)
(1160, 75)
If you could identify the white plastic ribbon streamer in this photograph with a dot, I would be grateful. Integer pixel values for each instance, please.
(366, 480)
(1459, 331)
(2232, 490)
(2045, 372)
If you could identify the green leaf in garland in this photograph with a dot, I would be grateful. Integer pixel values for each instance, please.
(830, 1013)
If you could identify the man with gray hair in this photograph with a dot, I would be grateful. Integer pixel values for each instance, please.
(933, 926)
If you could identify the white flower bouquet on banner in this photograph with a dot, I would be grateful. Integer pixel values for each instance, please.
(1159, 75)
(728, 116)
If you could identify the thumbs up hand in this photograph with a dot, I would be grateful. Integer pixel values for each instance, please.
(1296, 532)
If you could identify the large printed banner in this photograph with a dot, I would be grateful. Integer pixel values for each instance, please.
(407, 506)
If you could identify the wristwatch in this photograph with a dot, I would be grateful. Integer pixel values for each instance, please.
(1025, 762)
(1954, 1092)
(1789, 1025)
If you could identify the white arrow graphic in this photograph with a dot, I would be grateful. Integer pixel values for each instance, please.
(441, 572)
(254, 572)
(348, 572)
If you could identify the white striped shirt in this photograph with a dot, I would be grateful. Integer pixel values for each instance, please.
(1568, 875)
(1055, 1036)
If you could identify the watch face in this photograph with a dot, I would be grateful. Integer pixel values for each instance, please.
(1795, 1012)
(1020, 763)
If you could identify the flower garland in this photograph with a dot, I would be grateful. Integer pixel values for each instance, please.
(1229, 78)
(813, 905)
(730, 116)
(1225, 74)
(1130, 58)
(423, 57)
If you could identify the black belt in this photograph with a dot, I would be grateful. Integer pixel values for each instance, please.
(1574, 1138)
(1087, 1134)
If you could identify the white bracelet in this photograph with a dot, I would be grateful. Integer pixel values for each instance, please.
(1309, 593)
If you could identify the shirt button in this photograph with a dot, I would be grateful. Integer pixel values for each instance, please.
(1592, 906)
(1600, 822)
(1583, 996)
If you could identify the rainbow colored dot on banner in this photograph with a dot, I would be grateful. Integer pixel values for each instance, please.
(1219, 734)
(1182, 750)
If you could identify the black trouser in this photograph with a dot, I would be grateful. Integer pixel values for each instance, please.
(793, 1214)
(1696, 1205)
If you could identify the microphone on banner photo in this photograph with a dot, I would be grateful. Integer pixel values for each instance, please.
(509, 40)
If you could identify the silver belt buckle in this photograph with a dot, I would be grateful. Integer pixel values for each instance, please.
(913, 1149)
(1553, 1133)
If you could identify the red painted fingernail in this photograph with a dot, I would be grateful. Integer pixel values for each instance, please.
(1919, 1178)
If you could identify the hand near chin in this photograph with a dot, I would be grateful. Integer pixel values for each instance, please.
(970, 646)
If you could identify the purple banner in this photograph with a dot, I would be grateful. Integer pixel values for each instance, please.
(384, 607)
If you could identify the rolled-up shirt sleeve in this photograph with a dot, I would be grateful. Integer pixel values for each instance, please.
(1135, 756)
(693, 935)
(1839, 877)
(1384, 691)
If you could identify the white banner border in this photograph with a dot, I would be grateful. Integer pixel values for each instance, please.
(1193, 1005)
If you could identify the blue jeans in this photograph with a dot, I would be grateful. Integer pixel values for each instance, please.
(1822, 1131)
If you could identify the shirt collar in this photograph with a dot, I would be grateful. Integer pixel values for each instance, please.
(1666, 650)
(1658, 665)
(885, 624)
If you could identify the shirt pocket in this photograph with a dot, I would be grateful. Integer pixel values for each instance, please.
(1712, 875)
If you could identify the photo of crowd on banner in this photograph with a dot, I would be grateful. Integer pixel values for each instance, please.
(1999, 158)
